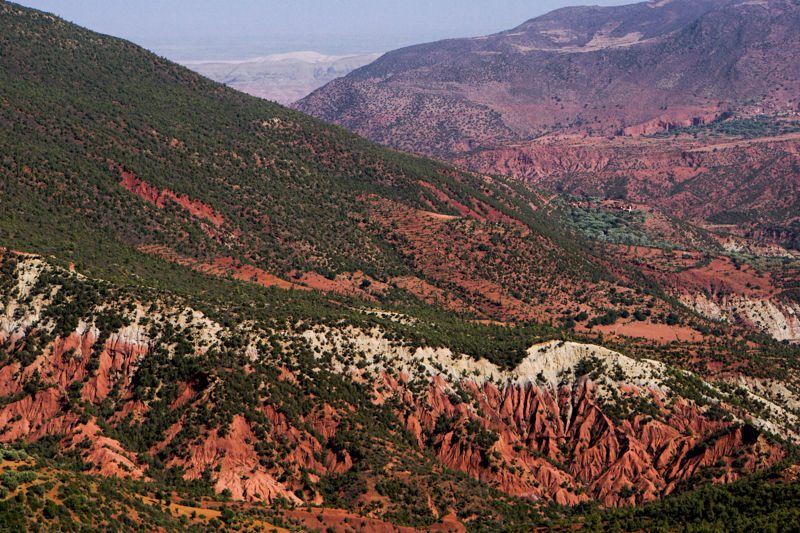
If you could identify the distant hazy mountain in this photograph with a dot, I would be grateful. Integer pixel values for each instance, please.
(283, 78)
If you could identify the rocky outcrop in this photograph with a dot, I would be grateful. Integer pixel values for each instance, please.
(546, 431)
(237, 465)
(559, 444)
(781, 321)
(671, 121)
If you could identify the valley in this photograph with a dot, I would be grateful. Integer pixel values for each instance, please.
(219, 313)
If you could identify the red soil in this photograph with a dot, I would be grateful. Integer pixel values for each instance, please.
(155, 196)
(461, 208)
(223, 266)
(343, 521)
(345, 283)
(650, 331)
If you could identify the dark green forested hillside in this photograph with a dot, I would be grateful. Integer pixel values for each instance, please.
(79, 110)
(115, 159)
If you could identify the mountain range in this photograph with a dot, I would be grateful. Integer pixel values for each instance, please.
(220, 313)
(282, 78)
(661, 103)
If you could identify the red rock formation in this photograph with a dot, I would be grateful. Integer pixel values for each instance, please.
(144, 190)
(237, 463)
(634, 460)
(544, 442)
(107, 455)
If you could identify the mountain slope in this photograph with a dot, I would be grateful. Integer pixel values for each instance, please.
(350, 413)
(146, 157)
(575, 68)
(537, 103)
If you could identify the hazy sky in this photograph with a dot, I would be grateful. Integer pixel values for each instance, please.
(233, 29)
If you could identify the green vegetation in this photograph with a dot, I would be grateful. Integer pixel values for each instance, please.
(588, 216)
(747, 128)
(762, 502)
(276, 189)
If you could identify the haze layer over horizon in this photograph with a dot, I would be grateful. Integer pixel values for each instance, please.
(239, 29)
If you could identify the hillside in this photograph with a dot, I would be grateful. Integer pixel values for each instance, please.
(352, 413)
(150, 162)
(226, 306)
(555, 100)
(146, 157)
(149, 159)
